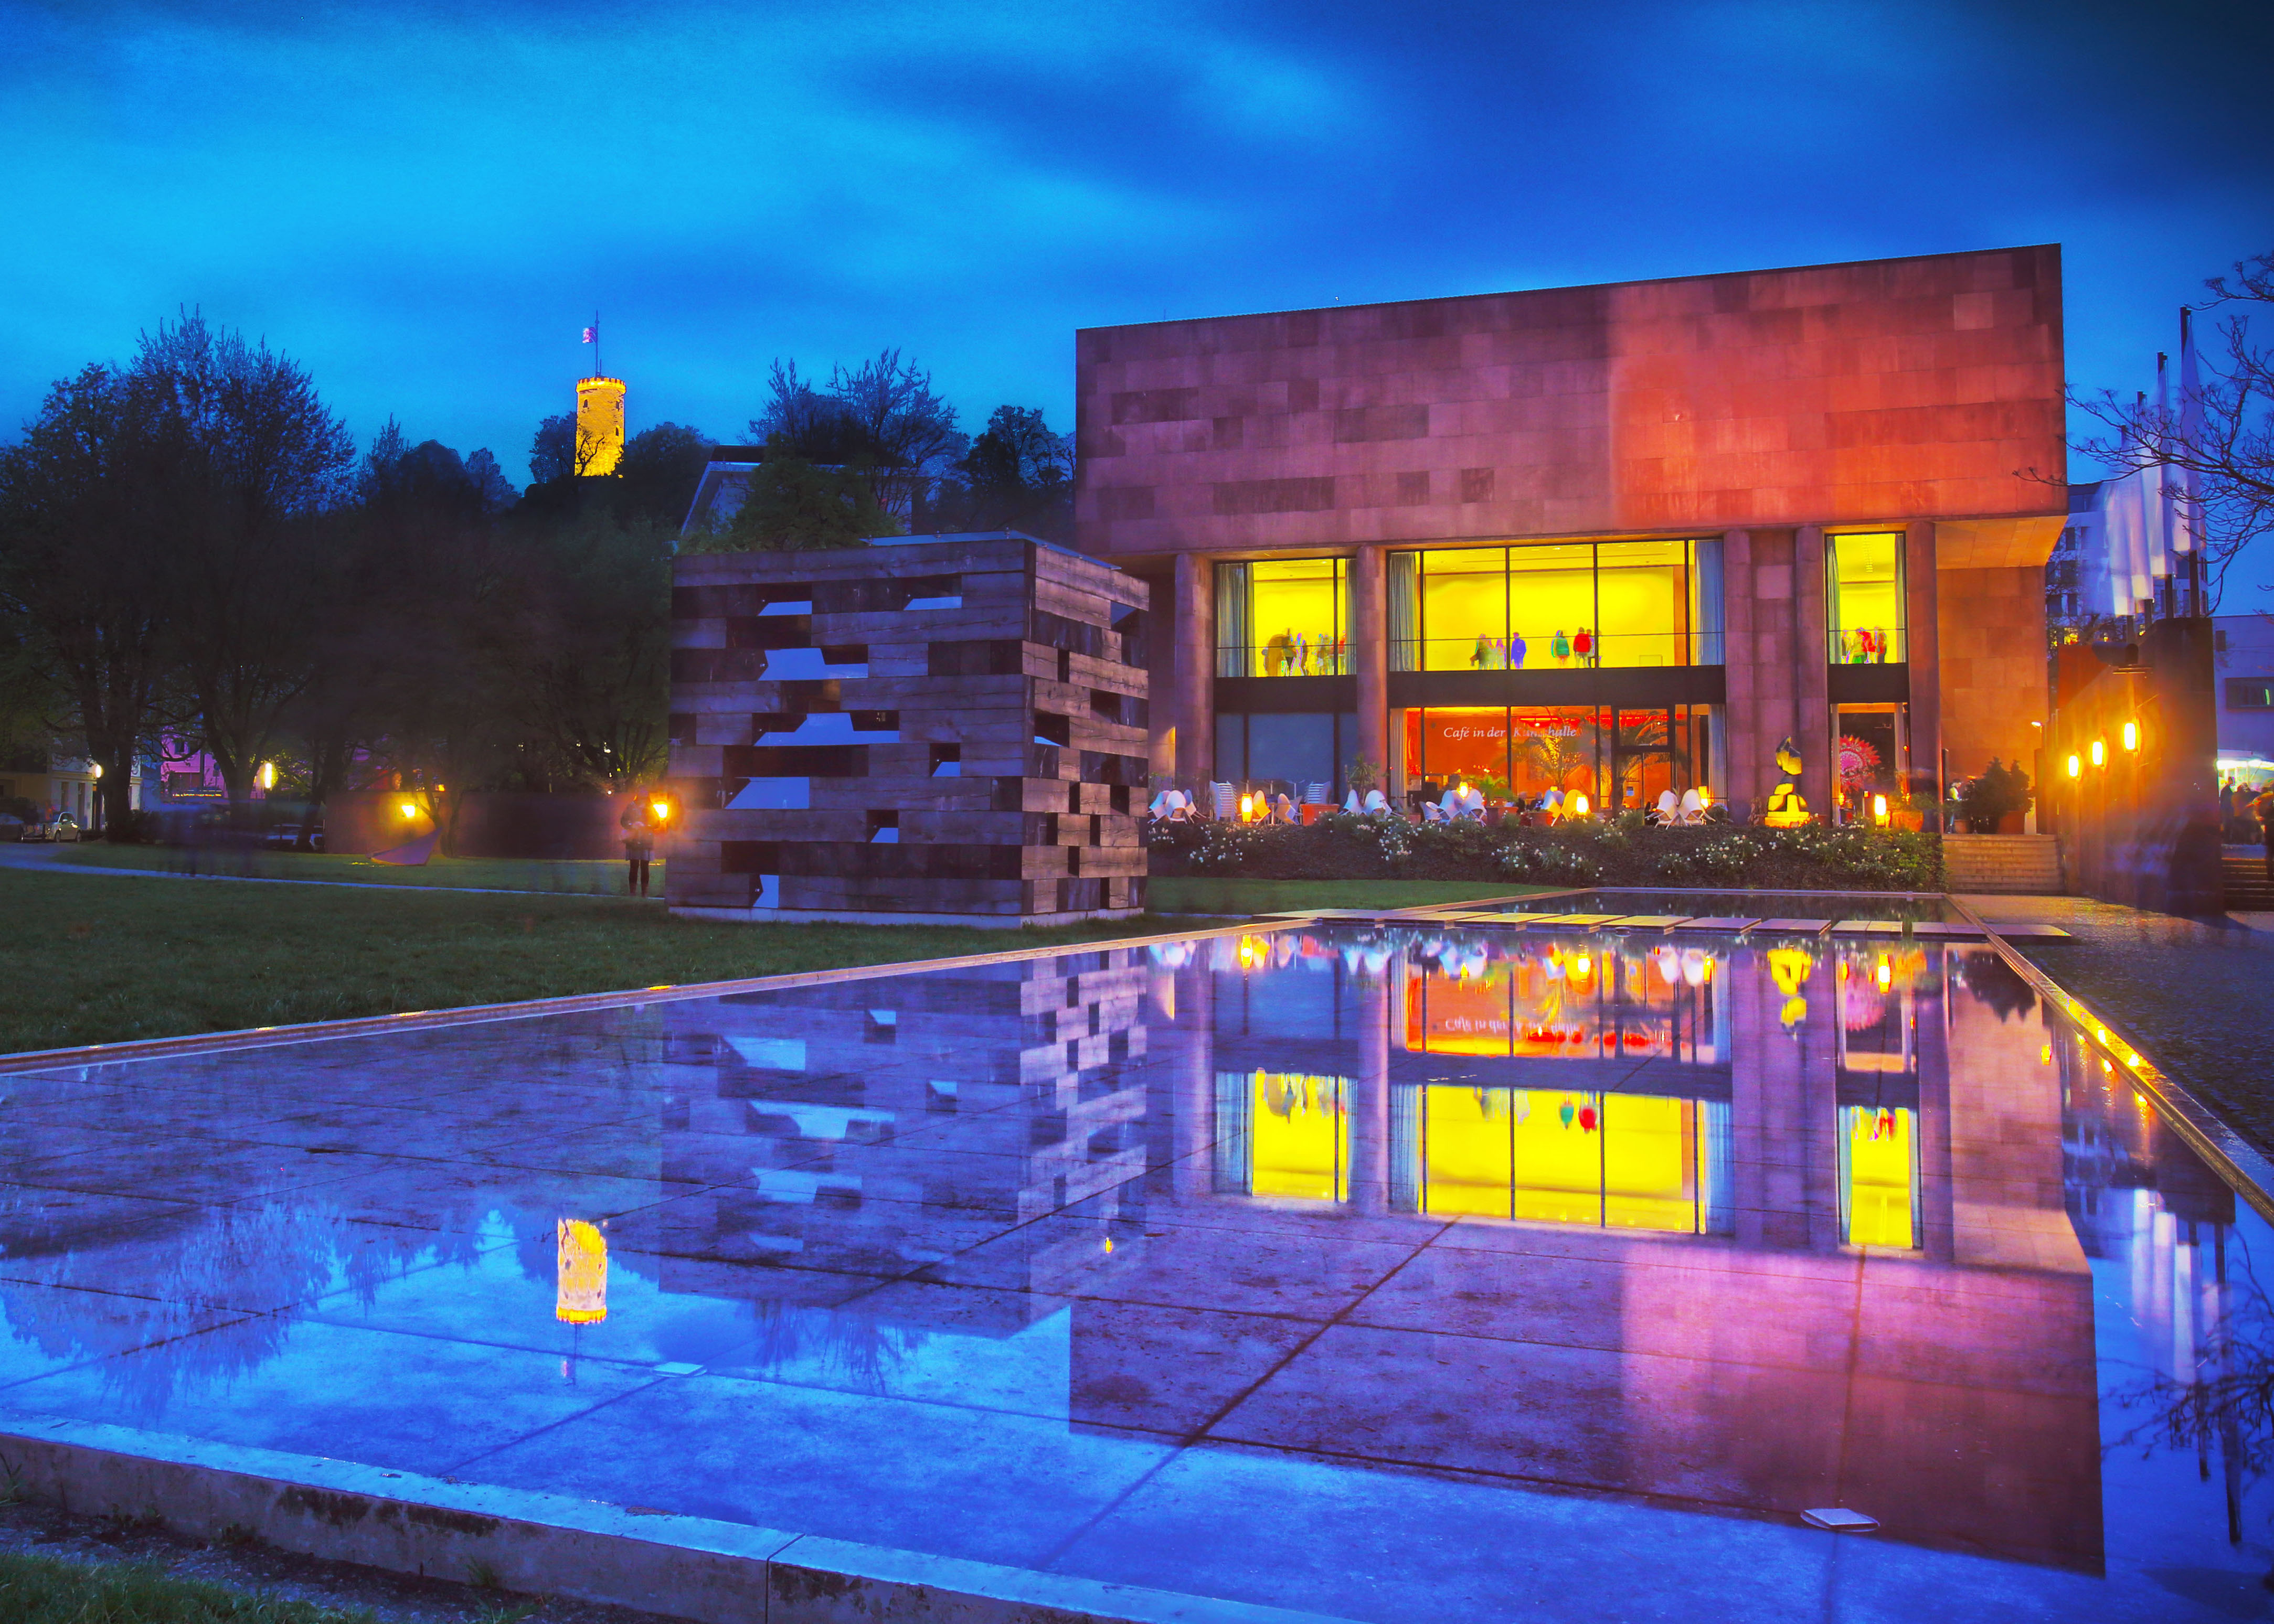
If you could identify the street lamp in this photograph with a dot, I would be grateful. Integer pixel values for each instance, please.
(2099, 753)
(2131, 735)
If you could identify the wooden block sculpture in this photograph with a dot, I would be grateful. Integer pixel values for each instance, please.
(1786, 810)
(936, 730)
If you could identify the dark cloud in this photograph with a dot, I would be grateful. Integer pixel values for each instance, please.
(425, 202)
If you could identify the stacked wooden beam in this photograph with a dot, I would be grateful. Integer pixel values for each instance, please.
(949, 729)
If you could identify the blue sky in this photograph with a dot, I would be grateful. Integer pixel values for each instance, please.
(424, 202)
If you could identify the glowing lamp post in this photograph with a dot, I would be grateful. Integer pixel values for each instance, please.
(2099, 753)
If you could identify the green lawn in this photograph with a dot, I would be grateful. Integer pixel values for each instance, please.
(1235, 897)
(597, 877)
(93, 958)
(44, 1590)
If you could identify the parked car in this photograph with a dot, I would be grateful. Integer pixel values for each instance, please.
(11, 827)
(62, 828)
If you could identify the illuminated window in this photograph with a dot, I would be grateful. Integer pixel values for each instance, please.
(1865, 600)
(1642, 600)
(1287, 1133)
(1615, 1160)
(1465, 611)
(1284, 617)
(1878, 1176)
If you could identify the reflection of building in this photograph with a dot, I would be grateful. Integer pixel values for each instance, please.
(1838, 1271)
(875, 1127)
(946, 728)
(1619, 539)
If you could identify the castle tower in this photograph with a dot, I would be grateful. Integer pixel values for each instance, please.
(599, 424)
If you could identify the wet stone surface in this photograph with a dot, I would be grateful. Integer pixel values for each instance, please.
(1372, 1271)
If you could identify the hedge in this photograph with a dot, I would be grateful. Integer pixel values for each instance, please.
(1626, 853)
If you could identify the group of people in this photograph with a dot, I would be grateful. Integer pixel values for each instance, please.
(1508, 653)
(1299, 654)
(2246, 817)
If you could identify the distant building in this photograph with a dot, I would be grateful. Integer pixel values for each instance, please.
(38, 779)
(599, 424)
(2242, 653)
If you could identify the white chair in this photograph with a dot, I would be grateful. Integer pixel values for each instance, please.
(1468, 803)
(1669, 809)
(1226, 799)
(1376, 803)
(1693, 807)
(1284, 809)
(1351, 806)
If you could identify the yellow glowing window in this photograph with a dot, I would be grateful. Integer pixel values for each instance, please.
(1879, 1195)
(1299, 1136)
(1866, 579)
(1551, 592)
(1642, 592)
(1464, 610)
(1299, 615)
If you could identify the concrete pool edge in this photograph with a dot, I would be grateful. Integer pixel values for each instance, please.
(473, 1014)
(2249, 1172)
(530, 1542)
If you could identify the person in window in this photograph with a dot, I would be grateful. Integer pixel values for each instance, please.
(638, 825)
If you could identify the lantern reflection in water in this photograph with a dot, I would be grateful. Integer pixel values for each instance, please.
(581, 1297)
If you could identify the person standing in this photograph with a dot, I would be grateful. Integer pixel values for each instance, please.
(2262, 809)
(639, 844)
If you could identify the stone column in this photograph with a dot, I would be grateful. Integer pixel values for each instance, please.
(1922, 646)
(1191, 1039)
(1740, 711)
(1195, 711)
(1369, 1105)
(1812, 728)
(1369, 647)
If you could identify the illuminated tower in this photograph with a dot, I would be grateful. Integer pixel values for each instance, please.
(599, 424)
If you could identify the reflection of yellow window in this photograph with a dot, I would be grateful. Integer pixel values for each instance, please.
(581, 1280)
(1649, 1163)
(1467, 1169)
(1867, 598)
(1878, 1151)
(1299, 617)
(1299, 1133)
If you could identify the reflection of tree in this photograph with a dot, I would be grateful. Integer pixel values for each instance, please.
(1996, 984)
(2225, 1402)
(1559, 760)
(863, 1351)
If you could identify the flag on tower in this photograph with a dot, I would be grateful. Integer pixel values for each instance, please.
(592, 334)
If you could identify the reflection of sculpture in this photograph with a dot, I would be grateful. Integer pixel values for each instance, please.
(1790, 967)
(1786, 808)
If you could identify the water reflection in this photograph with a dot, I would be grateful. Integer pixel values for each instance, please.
(1750, 1225)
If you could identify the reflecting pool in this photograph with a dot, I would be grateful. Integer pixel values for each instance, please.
(1378, 1272)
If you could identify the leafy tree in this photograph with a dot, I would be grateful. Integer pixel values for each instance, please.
(592, 681)
(83, 540)
(790, 505)
(881, 422)
(250, 462)
(1018, 474)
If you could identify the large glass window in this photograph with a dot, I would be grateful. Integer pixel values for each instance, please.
(1632, 755)
(1865, 597)
(1284, 617)
(1564, 605)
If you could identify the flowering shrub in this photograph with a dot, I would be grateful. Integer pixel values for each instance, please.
(1338, 846)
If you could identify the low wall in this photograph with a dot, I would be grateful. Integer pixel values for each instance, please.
(484, 823)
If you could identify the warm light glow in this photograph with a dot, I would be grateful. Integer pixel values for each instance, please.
(581, 1294)
(661, 809)
(2075, 767)
(96, 770)
(1705, 796)
(2131, 735)
(410, 808)
(1246, 807)
(268, 775)
(1878, 809)
(1579, 806)
(2099, 753)
(1885, 975)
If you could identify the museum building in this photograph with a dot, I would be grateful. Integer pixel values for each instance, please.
(1619, 539)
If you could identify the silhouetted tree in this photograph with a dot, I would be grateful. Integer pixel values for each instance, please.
(1017, 475)
(881, 422)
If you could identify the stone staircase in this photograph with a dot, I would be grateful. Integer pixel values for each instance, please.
(2248, 889)
(2011, 865)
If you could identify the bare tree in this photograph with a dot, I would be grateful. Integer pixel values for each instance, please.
(2218, 433)
(881, 421)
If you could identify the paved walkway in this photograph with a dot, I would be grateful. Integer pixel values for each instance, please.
(2195, 995)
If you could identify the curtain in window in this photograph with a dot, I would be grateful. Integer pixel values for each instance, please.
(1234, 601)
(1706, 629)
(1404, 613)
